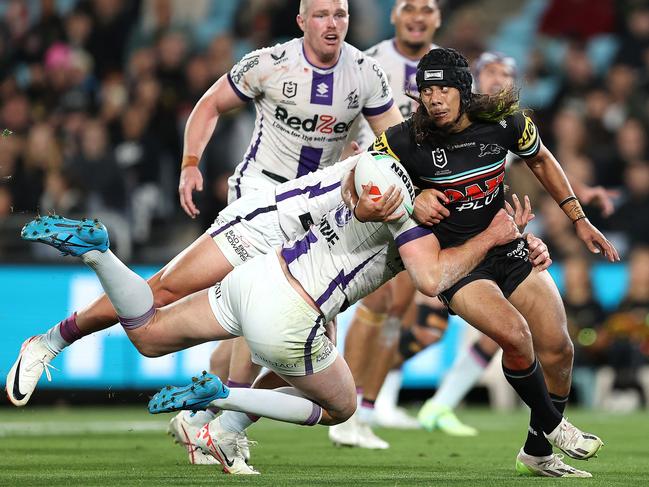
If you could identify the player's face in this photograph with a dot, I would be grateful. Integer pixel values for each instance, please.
(416, 21)
(442, 104)
(495, 77)
(325, 25)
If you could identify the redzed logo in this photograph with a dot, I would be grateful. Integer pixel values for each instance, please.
(326, 124)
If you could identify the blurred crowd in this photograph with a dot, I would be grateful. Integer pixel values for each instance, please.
(94, 95)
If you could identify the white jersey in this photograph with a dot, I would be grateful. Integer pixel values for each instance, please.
(401, 72)
(305, 200)
(304, 113)
(341, 260)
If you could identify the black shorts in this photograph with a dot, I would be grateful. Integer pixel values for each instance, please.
(507, 265)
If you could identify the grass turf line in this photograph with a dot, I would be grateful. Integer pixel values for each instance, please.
(125, 446)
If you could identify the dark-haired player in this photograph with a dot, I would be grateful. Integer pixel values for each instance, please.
(457, 142)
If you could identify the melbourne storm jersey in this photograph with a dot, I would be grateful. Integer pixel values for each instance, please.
(304, 113)
(401, 72)
(469, 169)
(341, 260)
(305, 200)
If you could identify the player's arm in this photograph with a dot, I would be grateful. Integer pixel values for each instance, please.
(218, 99)
(380, 123)
(548, 171)
(433, 269)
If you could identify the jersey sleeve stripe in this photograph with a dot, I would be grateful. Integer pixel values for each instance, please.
(299, 248)
(373, 111)
(412, 234)
(532, 151)
(239, 93)
(342, 280)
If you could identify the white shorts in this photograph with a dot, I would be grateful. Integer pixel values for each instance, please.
(283, 332)
(252, 180)
(247, 228)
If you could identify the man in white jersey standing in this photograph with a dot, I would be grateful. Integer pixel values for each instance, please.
(307, 92)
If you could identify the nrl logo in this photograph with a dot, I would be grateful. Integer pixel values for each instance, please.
(488, 149)
(439, 157)
(290, 89)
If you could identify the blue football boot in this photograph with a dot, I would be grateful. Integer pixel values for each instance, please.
(196, 396)
(71, 237)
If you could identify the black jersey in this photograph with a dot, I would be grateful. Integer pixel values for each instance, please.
(469, 168)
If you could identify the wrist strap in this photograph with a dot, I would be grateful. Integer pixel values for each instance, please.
(189, 161)
(567, 200)
(573, 209)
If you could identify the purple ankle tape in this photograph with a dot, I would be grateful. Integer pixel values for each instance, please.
(69, 329)
(133, 323)
(316, 414)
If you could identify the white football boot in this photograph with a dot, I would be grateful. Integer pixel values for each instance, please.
(368, 439)
(33, 359)
(549, 466)
(225, 447)
(184, 433)
(574, 442)
(345, 434)
(395, 417)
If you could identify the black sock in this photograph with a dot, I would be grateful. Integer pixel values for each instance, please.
(485, 356)
(536, 444)
(529, 384)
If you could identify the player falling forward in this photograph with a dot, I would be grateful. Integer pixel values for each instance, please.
(282, 316)
(307, 92)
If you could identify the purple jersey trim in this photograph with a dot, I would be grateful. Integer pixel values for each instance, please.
(299, 248)
(251, 155)
(309, 160)
(371, 112)
(308, 364)
(248, 217)
(342, 281)
(239, 93)
(314, 190)
(412, 234)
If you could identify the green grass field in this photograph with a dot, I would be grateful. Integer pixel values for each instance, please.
(126, 446)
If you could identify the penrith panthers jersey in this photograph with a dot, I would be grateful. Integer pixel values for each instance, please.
(469, 169)
(304, 113)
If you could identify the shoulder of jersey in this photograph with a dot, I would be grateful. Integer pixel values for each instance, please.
(360, 58)
(377, 49)
(277, 54)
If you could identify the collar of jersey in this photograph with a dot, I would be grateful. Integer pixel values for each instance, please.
(319, 68)
(411, 62)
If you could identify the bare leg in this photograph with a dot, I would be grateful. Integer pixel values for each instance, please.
(197, 267)
(242, 370)
(183, 324)
(538, 300)
(220, 360)
(364, 331)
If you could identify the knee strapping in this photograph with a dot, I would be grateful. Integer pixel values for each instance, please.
(369, 317)
(434, 318)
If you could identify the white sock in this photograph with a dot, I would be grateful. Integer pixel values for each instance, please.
(464, 374)
(366, 414)
(235, 422)
(388, 397)
(276, 405)
(130, 295)
(53, 339)
(199, 418)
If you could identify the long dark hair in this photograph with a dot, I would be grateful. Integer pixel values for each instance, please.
(481, 108)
